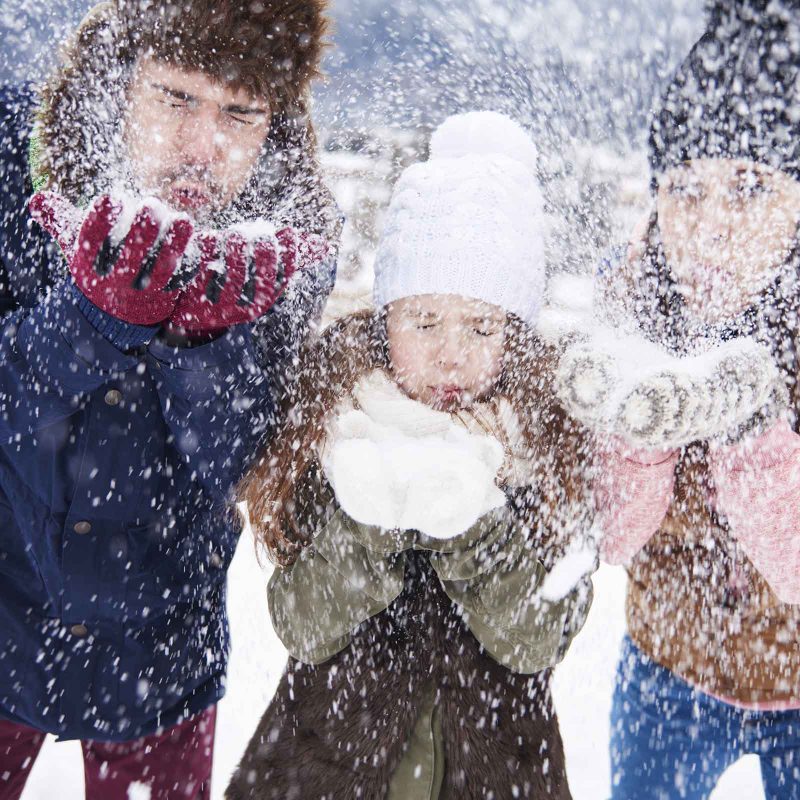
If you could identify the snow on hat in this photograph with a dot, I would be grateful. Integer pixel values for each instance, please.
(736, 94)
(469, 221)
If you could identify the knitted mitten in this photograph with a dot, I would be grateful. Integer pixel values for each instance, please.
(586, 378)
(631, 388)
(762, 419)
(240, 275)
(701, 397)
(123, 258)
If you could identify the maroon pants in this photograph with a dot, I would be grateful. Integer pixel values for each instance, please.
(174, 765)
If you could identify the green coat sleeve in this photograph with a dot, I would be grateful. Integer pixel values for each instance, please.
(352, 571)
(497, 582)
(348, 574)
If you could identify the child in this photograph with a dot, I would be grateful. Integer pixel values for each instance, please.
(423, 483)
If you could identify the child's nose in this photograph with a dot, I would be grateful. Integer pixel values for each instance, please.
(451, 353)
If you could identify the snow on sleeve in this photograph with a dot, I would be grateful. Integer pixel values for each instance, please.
(758, 490)
(578, 562)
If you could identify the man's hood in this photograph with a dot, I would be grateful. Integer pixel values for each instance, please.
(78, 146)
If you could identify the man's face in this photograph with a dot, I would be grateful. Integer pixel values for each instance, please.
(192, 142)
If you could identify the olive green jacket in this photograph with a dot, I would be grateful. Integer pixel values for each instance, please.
(353, 571)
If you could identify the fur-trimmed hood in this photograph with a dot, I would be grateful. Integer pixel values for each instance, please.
(271, 49)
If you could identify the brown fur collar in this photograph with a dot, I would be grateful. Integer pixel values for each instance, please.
(337, 731)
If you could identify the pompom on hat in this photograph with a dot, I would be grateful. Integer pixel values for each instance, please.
(469, 221)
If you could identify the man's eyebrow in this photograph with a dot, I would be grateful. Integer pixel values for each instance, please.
(176, 93)
(188, 98)
(757, 171)
(419, 313)
(253, 110)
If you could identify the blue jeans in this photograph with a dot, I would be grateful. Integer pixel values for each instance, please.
(671, 741)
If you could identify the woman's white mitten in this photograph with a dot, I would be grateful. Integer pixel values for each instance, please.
(774, 408)
(660, 410)
(698, 397)
(585, 381)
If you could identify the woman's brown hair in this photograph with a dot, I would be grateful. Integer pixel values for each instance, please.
(330, 368)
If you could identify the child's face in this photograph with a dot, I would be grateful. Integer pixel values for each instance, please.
(445, 350)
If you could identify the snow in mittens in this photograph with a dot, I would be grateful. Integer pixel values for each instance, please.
(396, 463)
(130, 206)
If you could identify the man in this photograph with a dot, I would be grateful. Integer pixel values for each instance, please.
(139, 362)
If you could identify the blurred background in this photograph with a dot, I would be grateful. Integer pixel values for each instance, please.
(581, 75)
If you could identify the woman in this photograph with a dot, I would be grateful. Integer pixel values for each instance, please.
(710, 668)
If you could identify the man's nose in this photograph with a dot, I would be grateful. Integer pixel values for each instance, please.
(202, 139)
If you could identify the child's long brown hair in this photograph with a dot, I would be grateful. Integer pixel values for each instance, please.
(330, 368)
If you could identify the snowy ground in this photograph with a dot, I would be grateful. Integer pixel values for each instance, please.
(583, 695)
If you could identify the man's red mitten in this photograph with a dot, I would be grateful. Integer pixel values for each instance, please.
(239, 278)
(128, 271)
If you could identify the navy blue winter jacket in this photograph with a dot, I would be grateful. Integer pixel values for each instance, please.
(115, 468)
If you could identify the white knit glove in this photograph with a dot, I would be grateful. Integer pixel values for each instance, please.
(585, 381)
(632, 388)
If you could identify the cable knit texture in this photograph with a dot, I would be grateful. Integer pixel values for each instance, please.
(631, 387)
(470, 221)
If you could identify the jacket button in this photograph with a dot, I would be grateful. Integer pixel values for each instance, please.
(82, 527)
(216, 560)
(113, 397)
(79, 630)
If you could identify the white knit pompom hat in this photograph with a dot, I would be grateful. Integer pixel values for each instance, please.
(469, 221)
